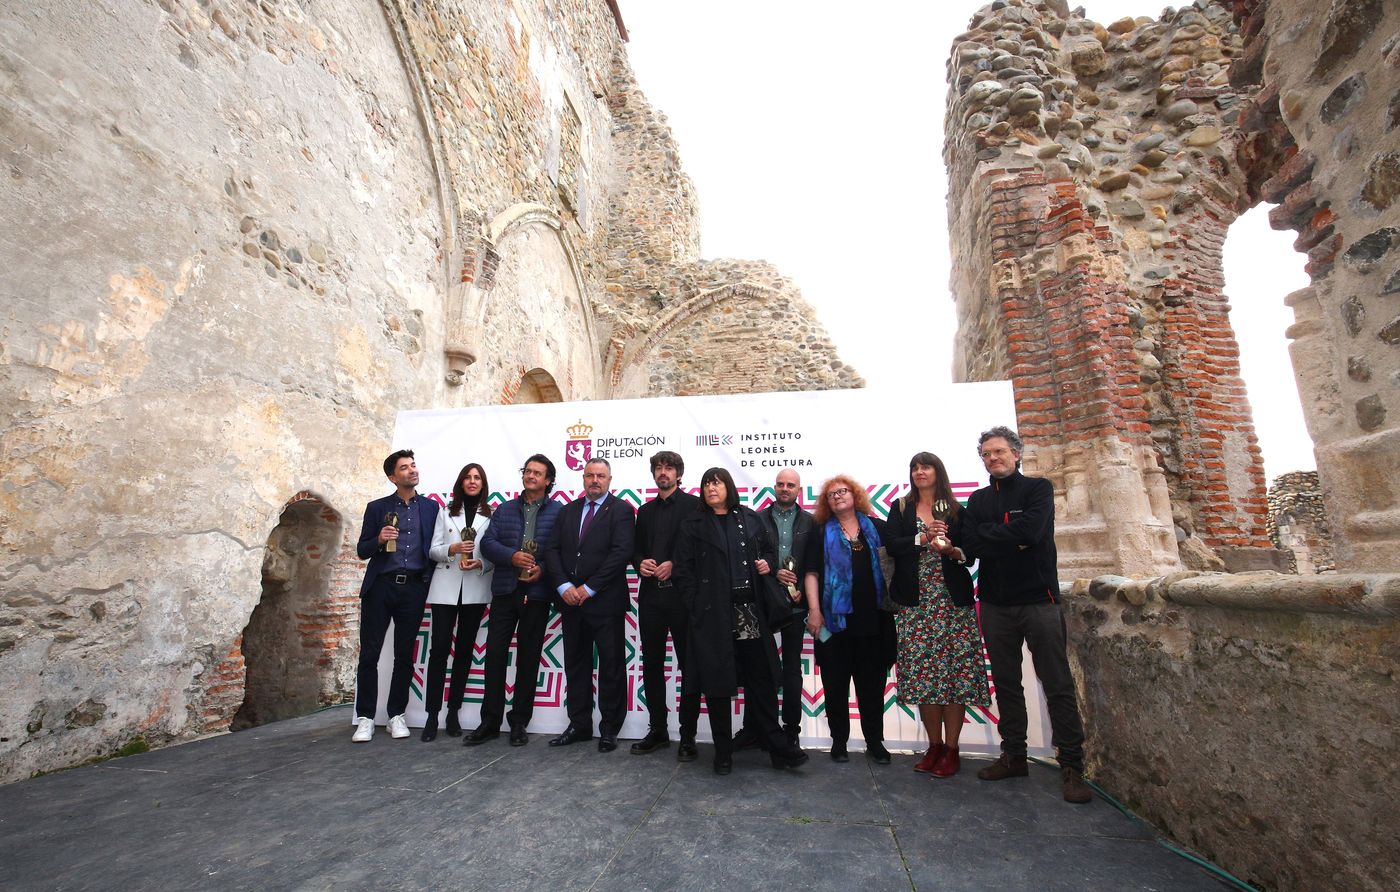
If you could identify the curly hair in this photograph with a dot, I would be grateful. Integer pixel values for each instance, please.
(822, 512)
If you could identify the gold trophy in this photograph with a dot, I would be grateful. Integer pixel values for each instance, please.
(391, 520)
(529, 546)
(940, 512)
(468, 535)
(790, 565)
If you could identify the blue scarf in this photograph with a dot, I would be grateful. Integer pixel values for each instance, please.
(836, 583)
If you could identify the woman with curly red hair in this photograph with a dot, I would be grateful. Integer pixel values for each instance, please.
(845, 598)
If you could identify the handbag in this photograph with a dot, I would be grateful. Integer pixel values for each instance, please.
(773, 603)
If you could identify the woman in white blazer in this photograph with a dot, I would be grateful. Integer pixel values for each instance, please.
(457, 596)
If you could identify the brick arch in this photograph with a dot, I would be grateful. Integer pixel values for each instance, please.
(535, 386)
(622, 355)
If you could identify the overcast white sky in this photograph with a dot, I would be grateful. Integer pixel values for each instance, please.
(814, 134)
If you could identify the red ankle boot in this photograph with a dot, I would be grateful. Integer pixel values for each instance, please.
(930, 758)
(948, 763)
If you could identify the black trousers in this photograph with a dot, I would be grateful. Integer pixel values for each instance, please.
(387, 601)
(660, 612)
(760, 702)
(1042, 628)
(582, 633)
(513, 617)
(465, 620)
(844, 658)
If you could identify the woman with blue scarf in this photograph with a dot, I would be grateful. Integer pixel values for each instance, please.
(845, 599)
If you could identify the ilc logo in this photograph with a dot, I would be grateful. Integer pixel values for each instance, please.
(578, 448)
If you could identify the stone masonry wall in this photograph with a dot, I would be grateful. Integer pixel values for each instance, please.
(241, 237)
(1252, 717)
(1091, 183)
(1298, 521)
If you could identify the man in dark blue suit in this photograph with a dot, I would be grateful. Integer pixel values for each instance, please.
(395, 589)
(586, 559)
(520, 599)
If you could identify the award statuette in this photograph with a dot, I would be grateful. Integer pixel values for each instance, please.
(790, 565)
(940, 512)
(529, 546)
(468, 535)
(391, 520)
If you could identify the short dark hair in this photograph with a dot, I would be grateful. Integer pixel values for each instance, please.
(392, 461)
(1006, 434)
(548, 469)
(599, 461)
(732, 500)
(667, 457)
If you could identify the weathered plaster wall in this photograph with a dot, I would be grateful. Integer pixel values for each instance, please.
(1252, 717)
(239, 238)
(222, 238)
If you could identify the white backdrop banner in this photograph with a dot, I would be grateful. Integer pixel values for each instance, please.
(867, 434)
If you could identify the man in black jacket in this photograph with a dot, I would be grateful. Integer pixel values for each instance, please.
(1010, 526)
(659, 606)
(789, 526)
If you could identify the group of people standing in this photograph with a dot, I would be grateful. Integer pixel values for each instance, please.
(727, 584)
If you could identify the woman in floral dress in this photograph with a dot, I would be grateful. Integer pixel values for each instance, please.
(939, 666)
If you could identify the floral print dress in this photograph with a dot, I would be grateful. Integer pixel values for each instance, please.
(940, 647)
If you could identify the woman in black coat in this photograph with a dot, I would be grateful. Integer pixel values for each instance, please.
(723, 556)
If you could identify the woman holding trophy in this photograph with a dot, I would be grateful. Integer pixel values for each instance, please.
(458, 594)
(939, 665)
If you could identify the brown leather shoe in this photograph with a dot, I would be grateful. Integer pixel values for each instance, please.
(948, 764)
(1005, 766)
(925, 765)
(1076, 790)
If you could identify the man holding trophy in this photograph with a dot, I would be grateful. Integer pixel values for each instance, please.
(520, 601)
(788, 525)
(394, 538)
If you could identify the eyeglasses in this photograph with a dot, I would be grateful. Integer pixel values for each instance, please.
(838, 493)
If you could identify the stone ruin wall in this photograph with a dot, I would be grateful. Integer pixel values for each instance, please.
(242, 236)
(1094, 172)
(1298, 521)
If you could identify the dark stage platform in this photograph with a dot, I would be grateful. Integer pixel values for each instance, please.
(296, 805)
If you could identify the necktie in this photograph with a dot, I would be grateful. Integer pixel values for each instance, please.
(587, 520)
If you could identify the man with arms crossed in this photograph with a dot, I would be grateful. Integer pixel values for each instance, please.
(395, 589)
(586, 560)
(520, 600)
(659, 606)
(1010, 526)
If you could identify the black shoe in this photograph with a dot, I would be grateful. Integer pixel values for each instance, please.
(430, 730)
(838, 753)
(687, 752)
(877, 753)
(723, 765)
(793, 758)
(746, 739)
(794, 735)
(571, 735)
(655, 740)
(519, 736)
(454, 724)
(480, 736)
(607, 743)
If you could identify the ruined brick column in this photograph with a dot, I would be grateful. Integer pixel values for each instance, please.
(1091, 182)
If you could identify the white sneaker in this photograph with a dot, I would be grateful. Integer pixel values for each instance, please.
(364, 730)
(398, 728)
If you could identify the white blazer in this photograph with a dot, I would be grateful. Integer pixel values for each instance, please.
(449, 579)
